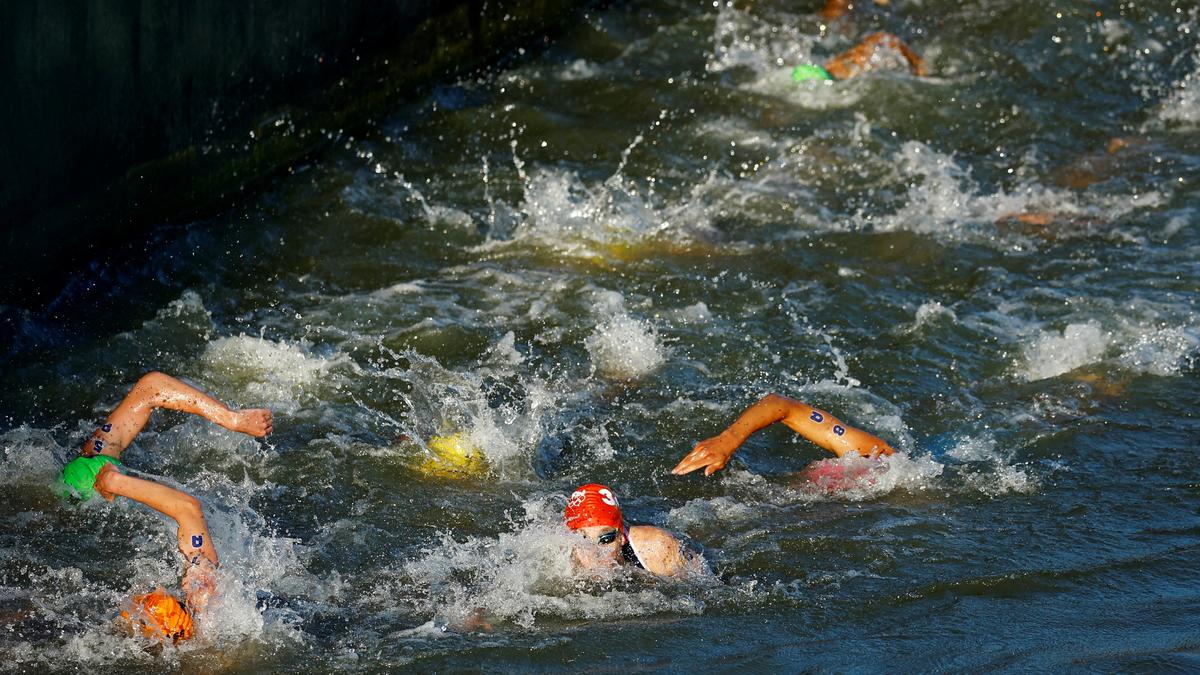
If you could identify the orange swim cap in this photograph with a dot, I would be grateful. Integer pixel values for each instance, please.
(593, 504)
(159, 614)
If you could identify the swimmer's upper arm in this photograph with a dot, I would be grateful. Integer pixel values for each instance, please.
(660, 551)
(183, 508)
(833, 434)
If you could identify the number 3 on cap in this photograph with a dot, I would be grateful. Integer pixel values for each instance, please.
(607, 497)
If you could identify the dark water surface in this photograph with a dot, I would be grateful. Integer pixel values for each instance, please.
(593, 259)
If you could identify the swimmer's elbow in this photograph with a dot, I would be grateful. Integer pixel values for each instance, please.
(188, 509)
(152, 378)
(151, 383)
(787, 405)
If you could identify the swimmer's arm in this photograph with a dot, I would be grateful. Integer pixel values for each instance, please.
(193, 538)
(816, 425)
(714, 453)
(195, 542)
(854, 60)
(916, 63)
(660, 552)
(158, 390)
(831, 433)
(835, 9)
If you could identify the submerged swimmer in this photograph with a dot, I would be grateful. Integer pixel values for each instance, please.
(98, 469)
(593, 511)
(816, 425)
(877, 51)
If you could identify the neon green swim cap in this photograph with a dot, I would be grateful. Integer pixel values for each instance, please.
(79, 475)
(810, 72)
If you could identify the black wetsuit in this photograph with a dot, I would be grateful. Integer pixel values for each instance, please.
(629, 556)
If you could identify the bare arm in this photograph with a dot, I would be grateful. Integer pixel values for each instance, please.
(858, 59)
(194, 540)
(816, 425)
(157, 390)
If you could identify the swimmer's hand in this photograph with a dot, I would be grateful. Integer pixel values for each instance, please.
(252, 421)
(199, 585)
(711, 454)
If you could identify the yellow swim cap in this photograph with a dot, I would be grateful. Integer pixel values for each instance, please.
(453, 456)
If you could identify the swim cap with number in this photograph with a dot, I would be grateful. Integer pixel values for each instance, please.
(810, 72)
(591, 505)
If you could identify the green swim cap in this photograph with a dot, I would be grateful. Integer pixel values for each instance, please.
(810, 72)
(79, 475)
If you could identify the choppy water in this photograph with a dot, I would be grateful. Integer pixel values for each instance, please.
(592, 259)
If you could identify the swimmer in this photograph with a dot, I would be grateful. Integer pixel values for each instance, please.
(816, 425)
(876, 51)
(1049, 225)
(836, 9)
(593, 512)
(98, 470)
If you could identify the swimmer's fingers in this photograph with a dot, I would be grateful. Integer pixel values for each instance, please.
(708, 454)
(255, 421)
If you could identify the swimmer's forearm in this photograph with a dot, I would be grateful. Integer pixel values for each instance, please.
(163, 391)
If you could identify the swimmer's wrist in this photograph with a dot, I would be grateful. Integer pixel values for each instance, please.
(735, 435)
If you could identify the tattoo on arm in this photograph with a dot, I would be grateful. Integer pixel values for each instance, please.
(197, 541)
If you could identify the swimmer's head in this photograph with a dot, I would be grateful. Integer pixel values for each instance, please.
(593, 504)
(593, 512)
(159, 615)
(808, 72)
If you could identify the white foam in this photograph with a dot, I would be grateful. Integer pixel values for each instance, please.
(1001, 479)
(1182, 106)
(931, 312)
(897, 471)
(444, 401)
(692, 314)
(579, 69)
(1052, 353)
(29, 455)
(559, 211)
(277, 374)
(1165, 351)
(998, 476)
(625, 348)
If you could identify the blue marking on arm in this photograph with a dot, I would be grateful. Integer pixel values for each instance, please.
(97, 444)
(816, 416)
(106, 428)
(197, 541)
(839, 430)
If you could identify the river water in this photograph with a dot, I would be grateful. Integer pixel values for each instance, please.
(590, 259)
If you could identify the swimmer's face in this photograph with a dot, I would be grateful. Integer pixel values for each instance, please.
(603, 548)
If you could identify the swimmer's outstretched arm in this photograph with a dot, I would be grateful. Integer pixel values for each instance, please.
(156, 390)
(194, 540)
(857, 59)
(816, 425)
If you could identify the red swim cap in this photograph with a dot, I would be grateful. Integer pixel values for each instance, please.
(593, 504)
(159, 614)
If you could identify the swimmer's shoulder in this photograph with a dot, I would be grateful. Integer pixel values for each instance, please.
(659, 551)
